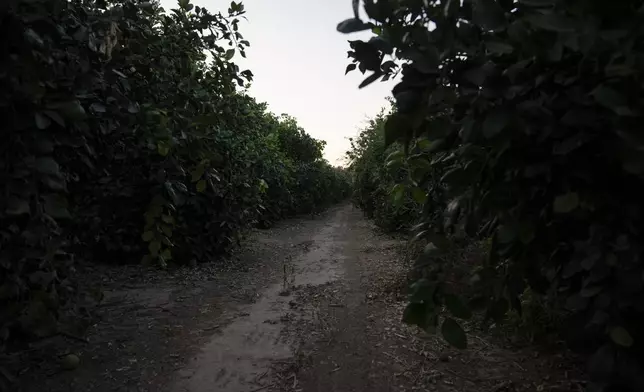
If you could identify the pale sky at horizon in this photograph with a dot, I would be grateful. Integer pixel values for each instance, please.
(299, 59)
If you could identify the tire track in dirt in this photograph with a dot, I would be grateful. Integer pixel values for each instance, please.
(313, 305)
(243, 351)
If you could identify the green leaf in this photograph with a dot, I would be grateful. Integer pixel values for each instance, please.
(621, 336)
(526, 232)
(476, 76)
(355, 4)
(414, 314)
(69, 362)
(72, 110)
(457, 307)
(42, 121)
(418, 195)
(454, 334)
(55, 116)
(17, 206)
(352, 25)
(506, 234)
(98, 107)
(44, 144)
(495, 122)
(591, 291)
(499, 47)
(47, 165)
(166, 255)
(611, 99)
(56, 206)
(133, 108)
(167, 230)
(422, 291)
(163, 149)
(537, 3)
(147, 236)
(566, 203)
(431, 250)
(370, 79)
(230, 53)
(396, 127)
(552, 22)
(488, 14)
(201, 186)
(198, 173)
(154, 248)
(350, 68)
(397, 193)
(576, 302)
(54, 183)
(438, 128)
(33, 38)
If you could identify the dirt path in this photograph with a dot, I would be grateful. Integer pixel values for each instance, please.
(311, 305)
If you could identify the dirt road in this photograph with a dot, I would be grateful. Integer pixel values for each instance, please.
(310, 305)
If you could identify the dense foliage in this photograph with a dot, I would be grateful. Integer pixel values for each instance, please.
(125, 137)
(376, 188)
(520, 122)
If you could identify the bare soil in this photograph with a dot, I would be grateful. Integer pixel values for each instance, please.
(309, 305)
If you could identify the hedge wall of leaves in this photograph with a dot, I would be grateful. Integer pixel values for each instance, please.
(523, 118)
(376, 188)
(125, 139)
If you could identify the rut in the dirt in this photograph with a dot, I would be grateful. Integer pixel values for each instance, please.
(333, 324)
(247, 347)
(312, 305)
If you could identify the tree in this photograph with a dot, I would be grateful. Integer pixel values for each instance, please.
(528, 113)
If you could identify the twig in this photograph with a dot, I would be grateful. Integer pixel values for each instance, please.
(72, 336)
(8, 376)
(259, 377)
(519, 366)
(395, 358)
(459, 375)
(262, 388)
(483, 341)
(500, 386)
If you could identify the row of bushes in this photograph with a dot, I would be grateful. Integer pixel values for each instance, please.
(375, 189)
(519, 121)
(126, 137)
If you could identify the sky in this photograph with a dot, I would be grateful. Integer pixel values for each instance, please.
(298, 59)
